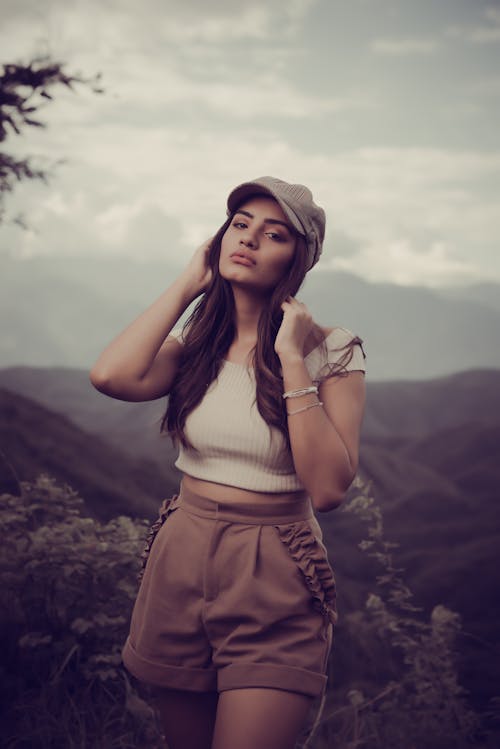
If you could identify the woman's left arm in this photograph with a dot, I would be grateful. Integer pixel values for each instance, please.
(324, 440)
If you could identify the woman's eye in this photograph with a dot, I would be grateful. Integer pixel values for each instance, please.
(273, 235)
(240, 224)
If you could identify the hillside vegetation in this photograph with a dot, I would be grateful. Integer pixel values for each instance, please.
(429, 450)
(67, 587)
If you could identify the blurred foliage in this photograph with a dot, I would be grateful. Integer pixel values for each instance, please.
(67, 587)
(409, 695)
(24, 89)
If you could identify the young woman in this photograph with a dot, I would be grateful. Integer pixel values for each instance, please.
(233, 622)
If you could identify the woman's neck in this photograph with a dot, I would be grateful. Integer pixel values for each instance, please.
(247, 309)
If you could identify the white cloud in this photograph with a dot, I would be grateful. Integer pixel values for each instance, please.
(487, 86)
(415, 213)
(196, 103)
(107, 29)
(384, 194)
(157, 60)
(404, 47)
(401, 262)
(486, 33)
(252, 22)
(233, 21)
(265, 94)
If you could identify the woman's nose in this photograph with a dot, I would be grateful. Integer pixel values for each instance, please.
(248, 239)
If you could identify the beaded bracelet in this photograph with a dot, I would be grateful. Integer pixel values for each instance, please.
(301, 391)
(305, 408)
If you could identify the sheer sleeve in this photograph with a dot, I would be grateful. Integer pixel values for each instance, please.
(341, 352)
(177, 334)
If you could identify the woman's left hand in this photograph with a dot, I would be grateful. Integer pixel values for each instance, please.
(295, 327)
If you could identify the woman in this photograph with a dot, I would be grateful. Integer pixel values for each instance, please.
(234, 618)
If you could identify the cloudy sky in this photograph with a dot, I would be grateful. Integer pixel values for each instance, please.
(389, 110)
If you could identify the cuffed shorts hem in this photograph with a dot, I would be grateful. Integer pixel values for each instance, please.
(164, 675)
(235, 676)
(293, 679)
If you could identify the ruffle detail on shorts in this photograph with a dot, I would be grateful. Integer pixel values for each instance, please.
(310, 557)
(163, 513)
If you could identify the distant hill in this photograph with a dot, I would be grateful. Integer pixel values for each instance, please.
(409, 332)
(419, 407)
(133, 428)
(66, 319)
(439, 495)
(34, 439)
(485, 293)
(394, 410)
(84, 302)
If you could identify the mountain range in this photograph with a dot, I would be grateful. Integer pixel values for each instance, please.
(430, 449)
(62, 311)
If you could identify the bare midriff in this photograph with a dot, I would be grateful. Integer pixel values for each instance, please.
(225, 493)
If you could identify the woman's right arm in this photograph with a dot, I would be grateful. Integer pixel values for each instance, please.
(140, 364)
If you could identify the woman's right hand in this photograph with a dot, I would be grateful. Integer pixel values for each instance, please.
(198, 273)
(141, 363)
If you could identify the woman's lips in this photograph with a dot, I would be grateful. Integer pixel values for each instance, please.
(242, 259)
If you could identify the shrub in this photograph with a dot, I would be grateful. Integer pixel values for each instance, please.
(67, 585)
(421, 703)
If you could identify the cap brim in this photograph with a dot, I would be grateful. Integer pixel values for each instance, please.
(246, 190)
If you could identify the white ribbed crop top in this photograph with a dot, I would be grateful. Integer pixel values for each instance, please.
(234, 445)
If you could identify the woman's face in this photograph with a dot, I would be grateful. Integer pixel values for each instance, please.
(258, 246)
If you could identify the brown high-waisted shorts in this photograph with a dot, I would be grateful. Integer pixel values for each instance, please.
(234, 595)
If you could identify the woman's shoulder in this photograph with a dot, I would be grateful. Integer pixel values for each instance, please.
(330, 345)
(330, 336)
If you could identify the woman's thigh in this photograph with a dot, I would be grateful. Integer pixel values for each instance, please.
(260, 718)
(187, 718)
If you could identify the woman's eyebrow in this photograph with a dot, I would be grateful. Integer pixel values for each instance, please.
(266, 220)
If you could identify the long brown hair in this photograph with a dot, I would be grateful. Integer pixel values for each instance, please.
(210, 331)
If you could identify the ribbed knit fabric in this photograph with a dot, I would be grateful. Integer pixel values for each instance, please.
(234, 445)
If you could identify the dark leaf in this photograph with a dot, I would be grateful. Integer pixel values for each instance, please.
(35, 123)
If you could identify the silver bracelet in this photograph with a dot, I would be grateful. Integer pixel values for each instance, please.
(305, 408)
(301, 391)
